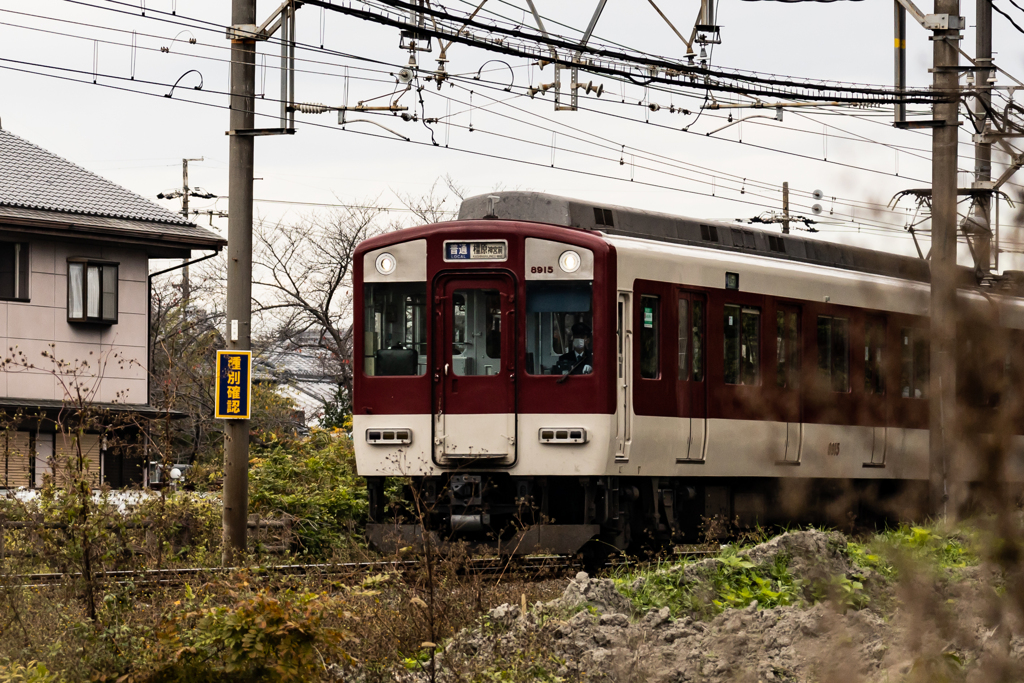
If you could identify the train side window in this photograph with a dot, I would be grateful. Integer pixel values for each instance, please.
(691, 339)
(620, 334)
(787, 338)
(649, 330)
(698, 340)
(395, 329)
(742, 345)
(834, 352)
(684, 339)
(874, 352)
(914, 363)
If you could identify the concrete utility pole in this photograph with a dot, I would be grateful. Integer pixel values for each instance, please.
(239, 294)
(983, 150)
(785, 208)
(942, 387)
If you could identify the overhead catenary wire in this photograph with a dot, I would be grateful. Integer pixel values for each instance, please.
(730, 140)
(582, 172)
(328, 74)
(1008, 17)
(769, 205)
(298, 44)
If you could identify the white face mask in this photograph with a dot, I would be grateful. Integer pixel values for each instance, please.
(579, 344)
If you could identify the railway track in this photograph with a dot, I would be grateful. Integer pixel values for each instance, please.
(537, 567)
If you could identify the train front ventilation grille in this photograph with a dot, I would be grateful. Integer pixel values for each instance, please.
(567, 435)
(389, 436)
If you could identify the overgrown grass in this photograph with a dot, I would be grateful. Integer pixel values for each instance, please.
(727, 581)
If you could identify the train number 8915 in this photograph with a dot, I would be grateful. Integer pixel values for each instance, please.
(833, 448)
(542, 269)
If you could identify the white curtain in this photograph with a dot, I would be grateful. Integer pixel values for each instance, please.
(75, 290)
(93, 299)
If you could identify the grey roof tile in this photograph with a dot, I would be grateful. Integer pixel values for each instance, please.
(33, 178)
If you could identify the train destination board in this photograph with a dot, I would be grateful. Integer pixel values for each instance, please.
(234, 385)
(496, 250)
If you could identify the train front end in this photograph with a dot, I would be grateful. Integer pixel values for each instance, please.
(485, 380)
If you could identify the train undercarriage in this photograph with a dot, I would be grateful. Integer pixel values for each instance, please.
(513, 515)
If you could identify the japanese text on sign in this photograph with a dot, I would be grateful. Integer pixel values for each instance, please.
(476, 251)
(234, 384)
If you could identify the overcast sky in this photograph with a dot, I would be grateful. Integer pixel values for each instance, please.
(621, 152)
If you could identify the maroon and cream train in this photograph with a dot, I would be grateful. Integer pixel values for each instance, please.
(724, 363)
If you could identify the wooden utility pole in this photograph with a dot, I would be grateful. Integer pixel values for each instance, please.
(942, 387)
(186, 289)
(239, 290)
(785, 208)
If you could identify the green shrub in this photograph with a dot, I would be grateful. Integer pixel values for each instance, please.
(261, 636)
(313, 480)
(33, 672)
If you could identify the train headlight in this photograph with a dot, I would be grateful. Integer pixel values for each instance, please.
(386, 264)
(570, 261)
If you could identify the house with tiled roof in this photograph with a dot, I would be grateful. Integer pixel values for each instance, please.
(74, 266)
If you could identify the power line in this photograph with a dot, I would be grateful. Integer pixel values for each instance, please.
(1008, 17)
(42, 66)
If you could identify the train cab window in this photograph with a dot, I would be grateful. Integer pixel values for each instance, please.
(742, 345)
(834, 352)
(874, 352)
(787, 340)
(914, 363)
(476, 332)
(557, 313)
(650, 328)
(395, 341)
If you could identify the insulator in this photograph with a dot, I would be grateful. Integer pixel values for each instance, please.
(312, 108)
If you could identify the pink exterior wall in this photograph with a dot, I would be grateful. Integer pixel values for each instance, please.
(116, 354)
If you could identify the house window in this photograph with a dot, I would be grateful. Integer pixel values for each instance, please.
(14, 271)
(92, 292)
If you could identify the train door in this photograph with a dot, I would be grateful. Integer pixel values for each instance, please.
(691, 385)
(788, 376)
(474, 369)
(623, 346)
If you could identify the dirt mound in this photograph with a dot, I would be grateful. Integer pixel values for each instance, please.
(593, 632)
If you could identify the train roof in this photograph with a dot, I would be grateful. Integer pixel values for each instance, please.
(538, 207)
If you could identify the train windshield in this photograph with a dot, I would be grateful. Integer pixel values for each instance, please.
(395, 329)
(559, 325)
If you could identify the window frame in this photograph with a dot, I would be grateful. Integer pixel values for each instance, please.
(102, 265)
(914, 339)
(833, 332)
(788, 347)
(691, 312)
(655, 334)
(744, 311)
(875, 368)
(22, 275)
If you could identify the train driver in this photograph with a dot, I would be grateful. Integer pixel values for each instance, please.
(579, 360)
